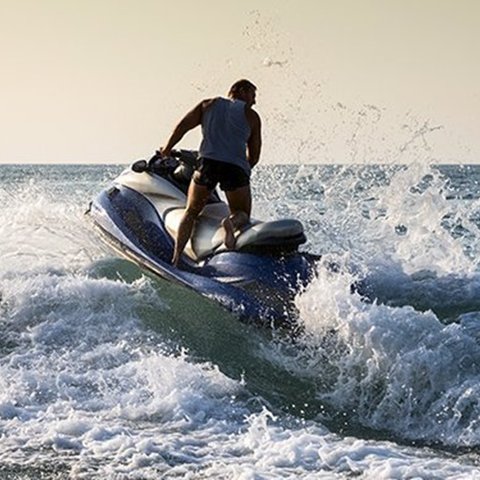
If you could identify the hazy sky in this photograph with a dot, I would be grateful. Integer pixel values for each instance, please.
(102, 81)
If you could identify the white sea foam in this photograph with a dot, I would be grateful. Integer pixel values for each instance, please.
(392, 369)
(38, 230)
(85, 377)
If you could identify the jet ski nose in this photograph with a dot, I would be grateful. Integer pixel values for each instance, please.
(140, 166)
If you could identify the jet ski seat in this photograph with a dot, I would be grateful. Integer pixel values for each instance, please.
(208, 233)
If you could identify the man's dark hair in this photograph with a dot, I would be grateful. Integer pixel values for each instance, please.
(239, 85)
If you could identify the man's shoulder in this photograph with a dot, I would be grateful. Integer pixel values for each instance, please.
(208, 102)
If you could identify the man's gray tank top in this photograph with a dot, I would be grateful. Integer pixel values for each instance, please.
(226, 132)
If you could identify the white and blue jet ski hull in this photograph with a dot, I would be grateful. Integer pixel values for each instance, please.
(257, 287)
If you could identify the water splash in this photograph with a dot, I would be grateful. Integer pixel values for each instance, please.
(391, 369)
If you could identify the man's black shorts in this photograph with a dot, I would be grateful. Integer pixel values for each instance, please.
(211, 172)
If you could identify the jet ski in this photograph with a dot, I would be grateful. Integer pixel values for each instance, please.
(139, 214)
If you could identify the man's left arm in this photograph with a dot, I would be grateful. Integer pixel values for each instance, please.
(254, 145)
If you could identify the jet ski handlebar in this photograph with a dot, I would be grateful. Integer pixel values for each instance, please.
(189, 158)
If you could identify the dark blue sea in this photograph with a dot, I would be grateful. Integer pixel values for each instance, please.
(108, 372)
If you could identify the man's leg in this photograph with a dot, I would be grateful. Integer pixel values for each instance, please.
(197, 198)
(240, 204)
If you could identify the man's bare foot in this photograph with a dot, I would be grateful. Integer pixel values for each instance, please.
(229, 233)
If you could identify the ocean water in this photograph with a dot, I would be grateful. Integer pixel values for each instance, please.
(107, 372)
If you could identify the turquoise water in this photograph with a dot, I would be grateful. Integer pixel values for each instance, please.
(107, 372)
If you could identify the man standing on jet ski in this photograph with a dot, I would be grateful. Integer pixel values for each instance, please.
(230, 147)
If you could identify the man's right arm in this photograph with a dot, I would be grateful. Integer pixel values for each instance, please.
(191, 120)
